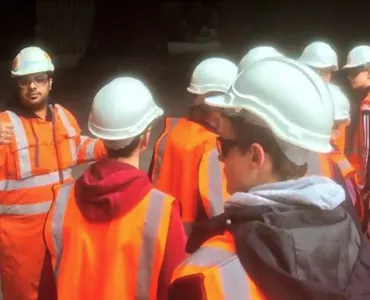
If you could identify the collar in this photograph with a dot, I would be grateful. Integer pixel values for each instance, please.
(196, 115)
(15, 106)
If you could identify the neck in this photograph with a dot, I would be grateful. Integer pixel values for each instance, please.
(41, 112)
(133, 160)
(213, 123)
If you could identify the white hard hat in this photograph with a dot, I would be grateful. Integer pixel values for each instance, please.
(121, 111)
(299, 111)
(319, 55)
(256, 54)
(31, 60)
(212, 75)
(341, 103)
(358, 56)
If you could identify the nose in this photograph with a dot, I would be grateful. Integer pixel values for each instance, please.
(220, 157)
(32, 85)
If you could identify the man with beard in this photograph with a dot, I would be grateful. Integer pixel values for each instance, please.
(39, 156)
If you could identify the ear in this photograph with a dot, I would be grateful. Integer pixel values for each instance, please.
(258, 155)
(199, 99)
(145, 141)
(50, 84)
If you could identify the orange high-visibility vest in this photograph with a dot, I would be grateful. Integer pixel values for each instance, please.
(212, 184)
(356, 153)
(349, 173)
(340, 141)
(345, 167)
(39, 157)
(224, 275)
(119, 259)
(323, 164)
(319, 164)
(177, 156)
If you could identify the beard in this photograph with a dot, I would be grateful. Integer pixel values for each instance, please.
(35, 105)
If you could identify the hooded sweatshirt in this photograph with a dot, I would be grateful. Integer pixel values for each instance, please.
(296, 242)
(107, 190)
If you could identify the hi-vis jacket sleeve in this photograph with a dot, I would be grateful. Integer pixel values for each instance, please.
(366, 146)
(88, 149)
(212, 183)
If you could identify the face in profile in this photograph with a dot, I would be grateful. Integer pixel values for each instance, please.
(358, 78)
(243, 168)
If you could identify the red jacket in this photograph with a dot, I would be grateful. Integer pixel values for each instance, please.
(108, 189)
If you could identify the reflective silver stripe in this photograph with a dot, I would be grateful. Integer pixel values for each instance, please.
(148, 247)
(71, 132)
(208, 256)
(215, 191)
(84, 138)
(22, 146)
(33, 181)
(313, 164)
(90, 150)
(232, 274)
(57, 224)
(25, 209)
(161, 149)
(234, 280)
(366, 142)
(344, 166)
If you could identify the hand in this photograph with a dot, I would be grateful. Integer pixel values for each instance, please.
(6, 133)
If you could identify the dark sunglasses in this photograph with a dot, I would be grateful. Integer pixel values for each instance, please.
(225, 145)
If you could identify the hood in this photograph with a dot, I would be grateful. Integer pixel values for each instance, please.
(109, 189)
(295, 240)
(316, 191)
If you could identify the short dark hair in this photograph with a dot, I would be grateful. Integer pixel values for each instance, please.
(247, 134)
(127, 151)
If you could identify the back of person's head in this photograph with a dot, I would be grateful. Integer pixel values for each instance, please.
(256, 54)
(212, 76)
(319, 55)
(276, 112)
(121, 115)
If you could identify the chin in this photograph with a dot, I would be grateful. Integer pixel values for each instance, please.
(35, 103)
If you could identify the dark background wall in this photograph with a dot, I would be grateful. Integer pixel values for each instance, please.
(138, 27)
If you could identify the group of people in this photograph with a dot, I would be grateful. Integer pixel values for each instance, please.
(259, 192)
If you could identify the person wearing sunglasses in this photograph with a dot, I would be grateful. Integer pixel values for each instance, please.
(357, 148)
(214, 205)
(186, 142)
(283, 235)
(37, 156)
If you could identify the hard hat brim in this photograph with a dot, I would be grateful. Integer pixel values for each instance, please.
(217, 101)
(352, 66)
(332, 68)
(20, 73)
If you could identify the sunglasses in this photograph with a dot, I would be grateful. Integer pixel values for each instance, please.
(38, 80)
(225, 145)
